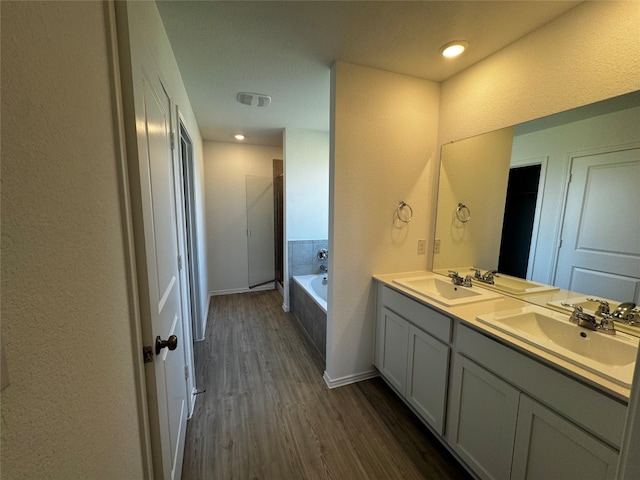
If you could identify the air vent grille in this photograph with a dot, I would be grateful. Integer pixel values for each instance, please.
(253, 99)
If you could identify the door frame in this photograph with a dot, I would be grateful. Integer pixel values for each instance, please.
(122, 164)
(191, 261)
(535, 230)
(187, 287)
(119, 48)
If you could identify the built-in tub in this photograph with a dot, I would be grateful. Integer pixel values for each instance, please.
(309, 304)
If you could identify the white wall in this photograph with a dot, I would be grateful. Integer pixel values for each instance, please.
(225, 166)
(148, 30)
(70, 410)
(586, 55)
(383, 150)
(475, 172)
(306, 173)
(306, 191)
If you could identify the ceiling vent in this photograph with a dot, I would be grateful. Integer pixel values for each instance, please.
(253, 99)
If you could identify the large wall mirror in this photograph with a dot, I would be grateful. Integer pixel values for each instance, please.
(552, 205)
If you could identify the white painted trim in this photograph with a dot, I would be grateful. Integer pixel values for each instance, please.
(135, 320)
(232, 291)
(285, 308)
(194, 395)
(205, 318)
(348, 379)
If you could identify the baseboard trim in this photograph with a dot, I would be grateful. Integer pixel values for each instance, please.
(205, 319)
(348, 379)
(193, 402)
(232, 291)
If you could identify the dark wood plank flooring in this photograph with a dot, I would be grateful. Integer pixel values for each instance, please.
(267, 413)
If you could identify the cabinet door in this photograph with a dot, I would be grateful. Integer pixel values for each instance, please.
(483, 414)
(549, 446)
(428, 368)
(395, 340)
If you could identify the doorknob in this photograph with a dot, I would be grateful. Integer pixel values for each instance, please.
(171, 343)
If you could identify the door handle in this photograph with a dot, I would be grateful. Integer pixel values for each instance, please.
(171, 343)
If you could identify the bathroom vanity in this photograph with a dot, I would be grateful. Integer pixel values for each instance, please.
(505, 407)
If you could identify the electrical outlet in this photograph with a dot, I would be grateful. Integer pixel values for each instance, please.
(436, 246)
(422, 247)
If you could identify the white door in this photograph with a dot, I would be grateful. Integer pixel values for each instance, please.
(166, 385)
(600, 246)
(260, 232)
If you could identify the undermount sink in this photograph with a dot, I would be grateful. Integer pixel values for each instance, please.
(609, 356)
(443, 291)
(516, 286)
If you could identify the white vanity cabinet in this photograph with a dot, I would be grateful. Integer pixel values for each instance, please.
(499, 429)
(549, 446)
(412, 355)
(504, 412)
(483, 416)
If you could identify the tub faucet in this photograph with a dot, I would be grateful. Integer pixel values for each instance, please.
(324, 269)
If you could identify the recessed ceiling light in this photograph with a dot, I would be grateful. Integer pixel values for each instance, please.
(453, 49)
(239, 136)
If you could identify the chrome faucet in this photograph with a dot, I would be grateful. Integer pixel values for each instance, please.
(586, 320)
(627, 313)
(486, 277)
(324, 269)
(458, 280)
(603, 308)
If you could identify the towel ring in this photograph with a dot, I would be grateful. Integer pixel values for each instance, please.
(463, 213)
(399, 211)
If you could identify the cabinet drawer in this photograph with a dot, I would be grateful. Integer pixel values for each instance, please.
(592, 410)
(420, 315)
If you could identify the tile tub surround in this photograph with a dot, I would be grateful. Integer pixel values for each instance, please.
(303, 256)
(312, 318)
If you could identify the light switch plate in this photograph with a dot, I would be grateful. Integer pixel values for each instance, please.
(422, 247)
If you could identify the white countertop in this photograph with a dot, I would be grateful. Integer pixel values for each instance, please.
(468, 313)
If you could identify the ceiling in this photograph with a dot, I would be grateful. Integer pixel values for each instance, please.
(286, 49)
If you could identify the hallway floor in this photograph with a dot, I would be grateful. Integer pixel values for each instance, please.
(267, 413)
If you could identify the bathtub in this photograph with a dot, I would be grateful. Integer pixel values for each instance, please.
(309, 305)
(313, 286)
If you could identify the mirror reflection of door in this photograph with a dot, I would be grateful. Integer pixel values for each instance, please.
(600, 249)
(519, 215)
(260, 238)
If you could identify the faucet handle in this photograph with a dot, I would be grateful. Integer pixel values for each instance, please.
(603, 308)
(576, 308)
(477, 274)
(607, 325)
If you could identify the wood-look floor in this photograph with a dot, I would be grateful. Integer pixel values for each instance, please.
(267, 413)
